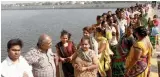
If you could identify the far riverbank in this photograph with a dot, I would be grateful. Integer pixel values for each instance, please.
(73, 6)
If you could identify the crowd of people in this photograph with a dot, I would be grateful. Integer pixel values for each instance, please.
(120, 44)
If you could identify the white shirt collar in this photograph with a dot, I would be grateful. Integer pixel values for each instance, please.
(10, 62)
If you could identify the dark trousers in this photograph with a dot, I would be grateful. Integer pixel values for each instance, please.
(68, 69)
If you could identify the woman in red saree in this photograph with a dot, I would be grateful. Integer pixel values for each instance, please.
(65, 48)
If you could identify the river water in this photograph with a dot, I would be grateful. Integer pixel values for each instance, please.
(28, 25)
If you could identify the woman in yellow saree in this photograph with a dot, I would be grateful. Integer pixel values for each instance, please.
(138, 60)
(104, 53)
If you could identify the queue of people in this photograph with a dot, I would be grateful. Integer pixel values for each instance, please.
(120, 44)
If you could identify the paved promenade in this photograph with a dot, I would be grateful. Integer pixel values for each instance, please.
(154, 66)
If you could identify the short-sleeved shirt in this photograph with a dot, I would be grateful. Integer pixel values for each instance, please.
(154, 31)
(42, 63)
(122, 24)
(10, 69)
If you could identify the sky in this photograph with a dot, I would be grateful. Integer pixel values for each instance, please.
(30, 1)
(14, 2)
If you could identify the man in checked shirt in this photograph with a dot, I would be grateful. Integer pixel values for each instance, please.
(42, 58)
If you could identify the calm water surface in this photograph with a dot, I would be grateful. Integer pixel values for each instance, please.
(29, 24)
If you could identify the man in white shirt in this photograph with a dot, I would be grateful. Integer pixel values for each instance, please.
(15, 65)
(122, 22)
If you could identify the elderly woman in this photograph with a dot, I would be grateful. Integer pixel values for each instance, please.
(85, 60)
(138, 60)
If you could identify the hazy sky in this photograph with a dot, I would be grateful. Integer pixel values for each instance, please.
(14, 2)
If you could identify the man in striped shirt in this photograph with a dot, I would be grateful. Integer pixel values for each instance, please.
(42, 58)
